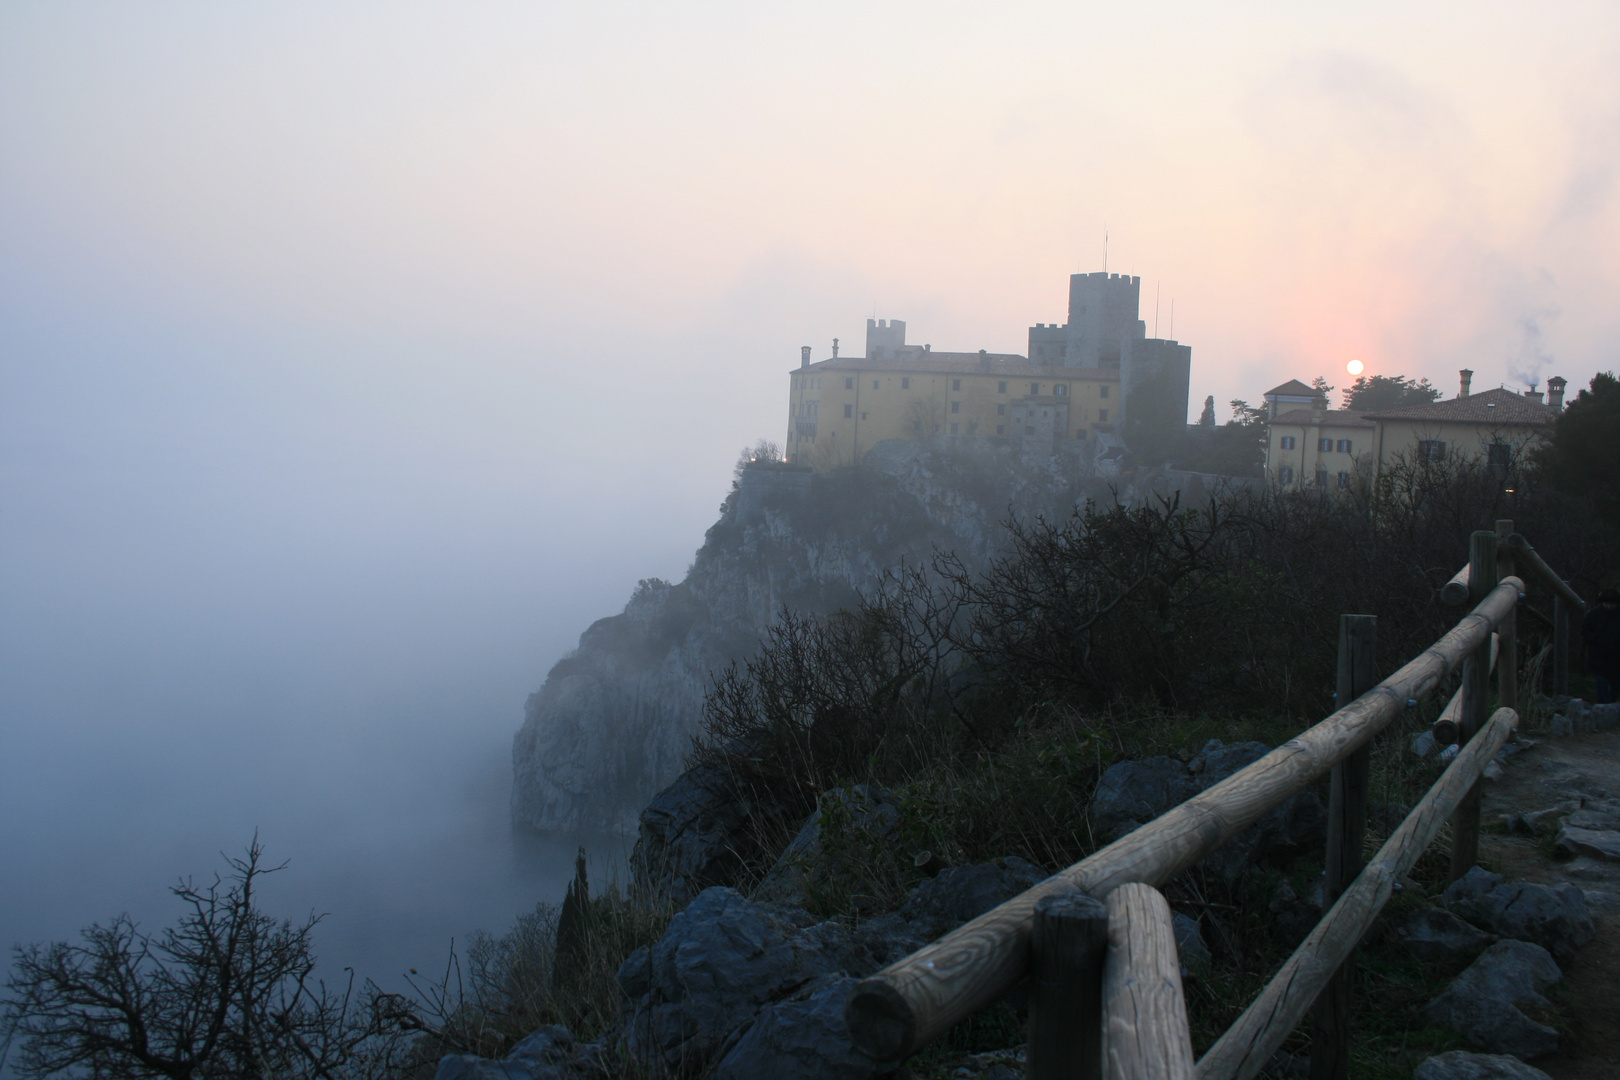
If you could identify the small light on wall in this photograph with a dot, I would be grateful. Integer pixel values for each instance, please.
(1354, 367)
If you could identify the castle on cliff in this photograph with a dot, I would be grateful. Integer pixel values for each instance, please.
(1098, 375)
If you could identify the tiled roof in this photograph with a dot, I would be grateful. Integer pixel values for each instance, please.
(1486, 407)
(956, 363)
(1293, 388)
(1312, 418)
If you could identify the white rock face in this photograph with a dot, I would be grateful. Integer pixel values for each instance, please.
(613, 722)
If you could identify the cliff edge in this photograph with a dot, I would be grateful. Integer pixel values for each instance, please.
(612, 723)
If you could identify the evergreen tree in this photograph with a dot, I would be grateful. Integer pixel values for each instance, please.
(1207, 417)
(1580, 457)
(1375, 393)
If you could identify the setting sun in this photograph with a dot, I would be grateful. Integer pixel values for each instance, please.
(1353, 367)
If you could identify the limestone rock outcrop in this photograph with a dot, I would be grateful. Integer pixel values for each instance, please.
(613, 722)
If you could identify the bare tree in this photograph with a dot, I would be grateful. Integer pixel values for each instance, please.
(227, 992)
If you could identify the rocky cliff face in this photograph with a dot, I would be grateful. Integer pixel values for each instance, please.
(612, 724)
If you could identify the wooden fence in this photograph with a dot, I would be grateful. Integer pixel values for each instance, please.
(1096, 939)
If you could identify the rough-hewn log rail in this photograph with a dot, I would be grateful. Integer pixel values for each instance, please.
(1526, 564)
(1145, 1033)
(1449, 722)
(916, 999)
(1247, 1045)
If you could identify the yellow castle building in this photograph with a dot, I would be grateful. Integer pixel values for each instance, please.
(1071, 388)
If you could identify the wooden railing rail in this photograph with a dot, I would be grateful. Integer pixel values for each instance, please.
(1249, 1043)
(1145, 1033)
(1455, 591)
(914, 1000)
(1449, 722)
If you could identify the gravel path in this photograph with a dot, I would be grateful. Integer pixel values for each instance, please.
(1557, 771)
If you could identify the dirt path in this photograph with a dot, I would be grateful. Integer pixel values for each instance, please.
(1556, 771)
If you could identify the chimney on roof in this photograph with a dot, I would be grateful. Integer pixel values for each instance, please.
(804, 356)
(835, 348)
(1555, 391)
(1533, 395)
(1467, 379)
(984, 359)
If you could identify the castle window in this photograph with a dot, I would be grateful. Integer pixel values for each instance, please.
(1431, 450)
(1001, 410)
(1344, 446)
(1325, 446)
(1499, 453)
(1034, 389)
(1285, 475)
(1321, 478)
(1103, 390)
(1344, 480)
(956, 384)
(1102, 416)
(849, 412)
(874, 384)
(1001, 388)
(1060, 389)
(849, 383)
(1029, 429)
(1001, 429)
(956, 406)
(953, 429)
(1286, 442)
(905, 382)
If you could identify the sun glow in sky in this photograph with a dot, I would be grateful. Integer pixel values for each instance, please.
(1425, 186)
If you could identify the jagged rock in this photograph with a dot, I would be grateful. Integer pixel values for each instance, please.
(1601, 816)
(1472, 885)
(1603, 844)
(1190, 941)
(868, 817)
(1552, 916)
(961, 893)
(801, 1038)
(1482, 1004)
(1435, 934)
(690, 836)
(888, 938)
(1560, 727)
(1423, 743)
(547, 1054)
(1584, 717)
(721, 958)
(1131, 793)
(1461, 1065)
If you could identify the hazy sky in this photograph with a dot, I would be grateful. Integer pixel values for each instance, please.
(353, 357)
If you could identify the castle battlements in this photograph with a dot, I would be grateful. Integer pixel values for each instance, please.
(1075, 383)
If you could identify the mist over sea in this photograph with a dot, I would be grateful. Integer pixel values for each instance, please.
(226, 608)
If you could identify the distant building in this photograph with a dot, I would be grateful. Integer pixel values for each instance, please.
(1310, 445)
(1493, 426)
(1094, 375)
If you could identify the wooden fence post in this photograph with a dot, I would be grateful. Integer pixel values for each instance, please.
(1476, 685)
(1347, 828)
(1146, 1036)
(1560, 645)
(1507, 664)
(1068, 946)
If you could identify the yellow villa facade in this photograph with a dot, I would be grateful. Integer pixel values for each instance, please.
(1320, 447)
(839, 409)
